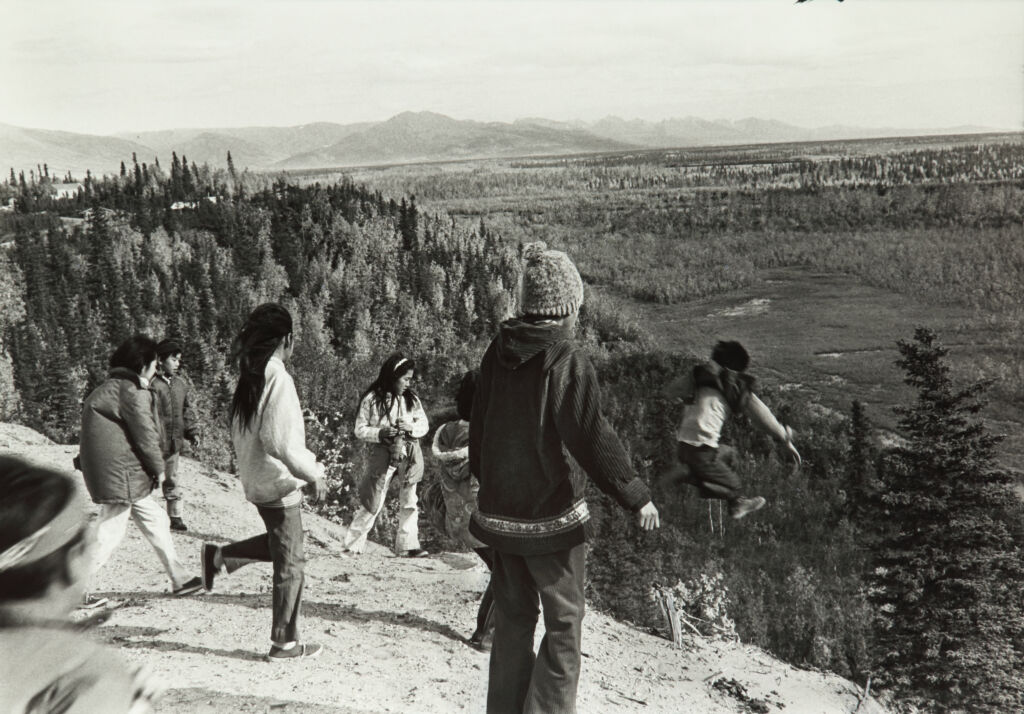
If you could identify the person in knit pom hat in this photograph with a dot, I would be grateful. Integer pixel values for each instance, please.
(537, 399)
(552, 286)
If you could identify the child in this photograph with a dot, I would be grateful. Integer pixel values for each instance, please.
(122, 461)
(391, 418)
(179, 423)
(712, 393)
(537, 402)
(275, 468)
(459, 487)
(45, 665)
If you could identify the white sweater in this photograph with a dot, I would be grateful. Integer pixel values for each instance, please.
(369, 420)
(273, 461)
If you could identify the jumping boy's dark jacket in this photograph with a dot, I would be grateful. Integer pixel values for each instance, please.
(536, 392)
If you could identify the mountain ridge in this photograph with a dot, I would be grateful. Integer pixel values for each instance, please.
(404, 138)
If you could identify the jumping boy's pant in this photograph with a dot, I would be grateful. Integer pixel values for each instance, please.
(171, 486)
(521, 682)
(282, 546)
(155, 526)
(712, 470)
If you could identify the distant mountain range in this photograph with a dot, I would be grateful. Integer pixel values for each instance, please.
(405, 138)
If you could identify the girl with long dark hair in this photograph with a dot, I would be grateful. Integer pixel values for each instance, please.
(275, 467)
(391, 418)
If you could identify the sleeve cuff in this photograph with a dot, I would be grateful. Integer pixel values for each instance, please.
(635, 494)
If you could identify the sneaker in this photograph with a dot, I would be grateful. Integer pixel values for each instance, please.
(279, 654)
(743, 505)
(208, 556)
(415, 553)
(192, 586)
(178, 525)
(91, 602)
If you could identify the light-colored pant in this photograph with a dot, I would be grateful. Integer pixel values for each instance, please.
(155, 526)
(406, 537)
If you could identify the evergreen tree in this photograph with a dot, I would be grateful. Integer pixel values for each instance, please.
(947, 576)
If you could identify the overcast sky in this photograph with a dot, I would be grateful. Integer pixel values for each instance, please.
(104, 67)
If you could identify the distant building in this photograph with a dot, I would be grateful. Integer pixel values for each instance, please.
(182, 205)
(67, 190)
(9, 206)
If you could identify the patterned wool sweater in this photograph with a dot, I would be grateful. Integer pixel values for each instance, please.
(537, 401)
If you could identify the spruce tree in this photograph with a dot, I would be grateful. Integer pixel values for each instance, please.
(947, 577)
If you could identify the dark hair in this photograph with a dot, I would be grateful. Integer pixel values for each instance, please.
(134, 354)
(394, 367)
(255, 343)
(464, 395)
(167, 347)
(731, 355)
(32, 497)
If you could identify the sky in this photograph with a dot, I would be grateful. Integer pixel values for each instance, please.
(132, 65)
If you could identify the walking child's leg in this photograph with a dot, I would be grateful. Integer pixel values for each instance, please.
(156, 527)
(110, 528)
(242, 552)
(284, 535)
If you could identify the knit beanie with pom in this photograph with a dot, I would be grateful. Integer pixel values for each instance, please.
(552, 286)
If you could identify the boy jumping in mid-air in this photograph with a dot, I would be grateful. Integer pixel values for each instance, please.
(712, 393)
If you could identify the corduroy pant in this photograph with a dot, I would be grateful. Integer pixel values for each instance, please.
(521, 682)
(282, 546)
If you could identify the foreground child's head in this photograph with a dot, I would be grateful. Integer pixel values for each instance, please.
(731, 355)
(43, 536)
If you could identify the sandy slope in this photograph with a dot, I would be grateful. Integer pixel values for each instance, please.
(393, 629)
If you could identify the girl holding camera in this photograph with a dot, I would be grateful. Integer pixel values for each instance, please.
(392, 420)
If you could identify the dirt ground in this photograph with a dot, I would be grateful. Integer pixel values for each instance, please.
(394, 630)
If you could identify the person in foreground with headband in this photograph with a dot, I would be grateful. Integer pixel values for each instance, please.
(46, 665)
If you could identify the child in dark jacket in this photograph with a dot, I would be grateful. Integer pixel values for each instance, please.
(712, 393)
(174, 402)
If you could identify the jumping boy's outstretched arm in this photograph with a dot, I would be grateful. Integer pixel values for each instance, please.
(761, 417)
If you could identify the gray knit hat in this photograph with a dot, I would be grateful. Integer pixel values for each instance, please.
(551, 284)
